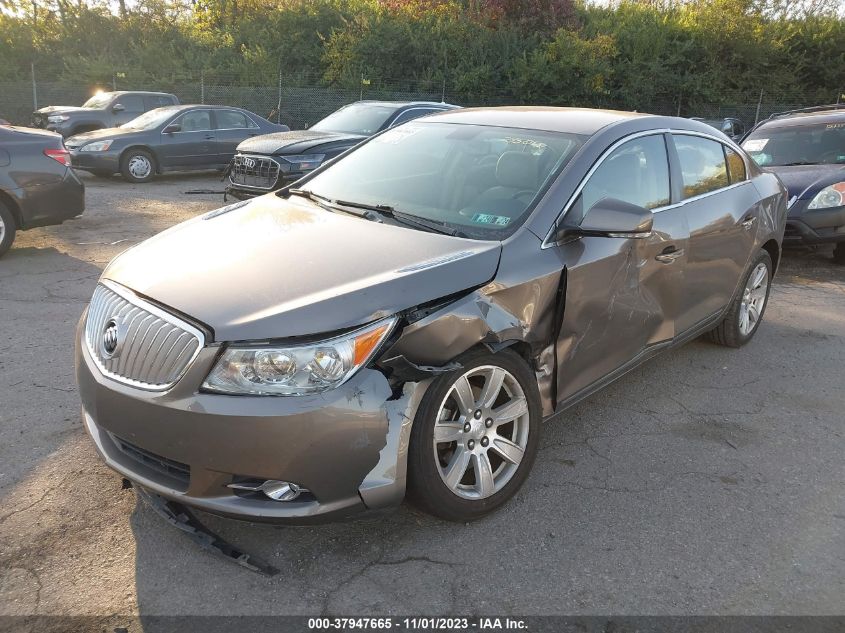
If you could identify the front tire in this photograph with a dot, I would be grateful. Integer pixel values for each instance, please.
(746, 312)
(137, 165)
(475, 437)
(8, 228)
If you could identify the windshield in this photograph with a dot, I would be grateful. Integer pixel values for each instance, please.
(150, 120)
(99, 100)
(822, 143)
(364, 119)
(477, 179)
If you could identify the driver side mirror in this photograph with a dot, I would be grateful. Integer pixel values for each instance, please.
(170, 129)
(118, 107)
(610, 217)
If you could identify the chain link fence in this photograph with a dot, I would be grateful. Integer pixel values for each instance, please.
(300, 101)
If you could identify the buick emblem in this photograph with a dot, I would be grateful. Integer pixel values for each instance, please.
(111, 339)
(249, 162)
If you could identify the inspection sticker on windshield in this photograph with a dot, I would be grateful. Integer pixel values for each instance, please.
(486, 218)
(755, 144)
(397, 135)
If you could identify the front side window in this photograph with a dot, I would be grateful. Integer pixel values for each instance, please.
(480, 180)
(636, 172)
(703, 165)
(195, 121)
(812, 144)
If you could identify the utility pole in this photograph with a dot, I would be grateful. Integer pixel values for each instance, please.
(759, 105)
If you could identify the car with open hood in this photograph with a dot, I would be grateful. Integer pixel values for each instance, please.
(267, 163)
(806, 149)
(406, 316)
(172, 138)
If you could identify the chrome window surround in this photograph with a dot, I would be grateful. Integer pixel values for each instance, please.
(431, 109)
(549, 242)
(135, 300)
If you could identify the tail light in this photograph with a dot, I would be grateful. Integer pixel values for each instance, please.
(61, 155)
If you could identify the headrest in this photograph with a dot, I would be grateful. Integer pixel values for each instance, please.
(518, 170)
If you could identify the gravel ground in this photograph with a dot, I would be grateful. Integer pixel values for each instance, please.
(709, 481)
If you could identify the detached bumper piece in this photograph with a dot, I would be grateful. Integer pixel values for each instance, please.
(180, 517)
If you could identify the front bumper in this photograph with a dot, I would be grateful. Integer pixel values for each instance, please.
(108, 161)
(817, 226)
(348, 447)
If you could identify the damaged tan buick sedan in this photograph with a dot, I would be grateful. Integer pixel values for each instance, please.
(405, 317)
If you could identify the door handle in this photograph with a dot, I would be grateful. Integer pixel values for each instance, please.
(748, 222)
(209, 138)
(669, 254)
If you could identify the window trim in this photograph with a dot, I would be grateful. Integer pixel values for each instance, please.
(433, 109)
(548, 241)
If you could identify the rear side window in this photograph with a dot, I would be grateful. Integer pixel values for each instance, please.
(736, 166)
(703, 165)
(131, 103)
(232, 119)
(152, 102)
(635, 172)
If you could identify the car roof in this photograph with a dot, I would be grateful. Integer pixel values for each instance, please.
(405, 104)
(140, 92)
(550, 119)
(790, 119)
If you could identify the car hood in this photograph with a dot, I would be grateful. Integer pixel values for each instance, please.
(295, 142)
(110, 132)
(277, 268)
(64, 110)
(805, 181)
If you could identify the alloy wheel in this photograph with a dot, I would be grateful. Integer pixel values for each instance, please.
(481, 432)
(753, 299)
(2, 229)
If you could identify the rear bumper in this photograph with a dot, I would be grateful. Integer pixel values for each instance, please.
(47, 204)
(348, 447)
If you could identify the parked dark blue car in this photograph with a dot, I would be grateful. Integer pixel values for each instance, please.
(806, 149)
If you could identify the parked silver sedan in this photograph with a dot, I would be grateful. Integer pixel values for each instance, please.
(406, 317)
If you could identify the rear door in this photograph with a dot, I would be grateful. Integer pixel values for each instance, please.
(622, 294)
(193, 146)
(720, 208)
(231, 128)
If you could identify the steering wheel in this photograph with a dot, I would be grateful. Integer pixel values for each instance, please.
(831, 156)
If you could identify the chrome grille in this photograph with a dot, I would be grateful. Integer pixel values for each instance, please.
(137, 343)
(254, 172)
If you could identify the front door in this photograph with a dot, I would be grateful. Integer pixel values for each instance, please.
(193, 145)
(232, 128)
(622, 294)
(719, 203)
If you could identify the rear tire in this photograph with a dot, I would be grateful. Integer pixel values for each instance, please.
(137, 165)
(8, 228)
(478, 460)
(839, 253)
(746, 312)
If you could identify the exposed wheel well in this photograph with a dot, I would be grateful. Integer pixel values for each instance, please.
(81, 129)
(12, 206)
(772, 248)
(147, 149)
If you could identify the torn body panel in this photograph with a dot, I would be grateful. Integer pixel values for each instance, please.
(518, 307)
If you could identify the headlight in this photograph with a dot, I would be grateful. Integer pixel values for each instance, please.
(295, 370)
(830, 196)
(96, 146)
(57, 118)
(303, 162)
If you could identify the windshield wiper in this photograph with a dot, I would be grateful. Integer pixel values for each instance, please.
(376, 210)
(324, 201)
(796, 163)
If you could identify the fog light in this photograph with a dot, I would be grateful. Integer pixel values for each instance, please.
(272, 488)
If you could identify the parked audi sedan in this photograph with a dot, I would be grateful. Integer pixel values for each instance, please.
(407, 316)
(172, 138)
(37, 185)
(806, 149)
(267, 163)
